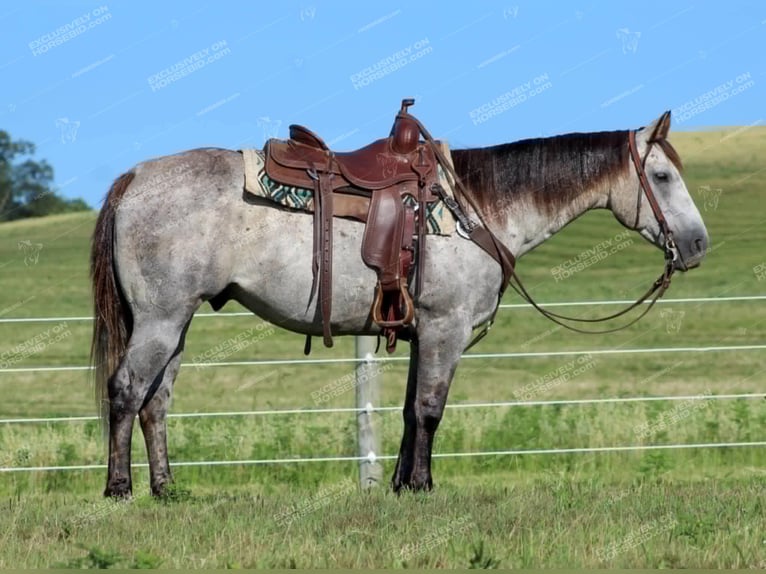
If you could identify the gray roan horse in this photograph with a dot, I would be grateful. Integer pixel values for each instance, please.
(169, 237)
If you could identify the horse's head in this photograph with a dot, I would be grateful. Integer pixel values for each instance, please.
(632, 205)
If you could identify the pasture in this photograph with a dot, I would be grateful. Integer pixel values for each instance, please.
(695, 507)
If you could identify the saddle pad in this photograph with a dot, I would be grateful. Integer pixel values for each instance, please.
(439, 219)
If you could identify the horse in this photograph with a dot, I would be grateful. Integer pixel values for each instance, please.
(169, 237)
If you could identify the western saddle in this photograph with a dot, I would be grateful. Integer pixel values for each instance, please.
(388, 185)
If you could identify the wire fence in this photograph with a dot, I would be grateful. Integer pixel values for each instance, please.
(372, 458)
(295, 460)
(685, 300)
(497, 404)
(539, 354)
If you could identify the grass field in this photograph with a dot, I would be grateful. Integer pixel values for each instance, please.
(701, 508)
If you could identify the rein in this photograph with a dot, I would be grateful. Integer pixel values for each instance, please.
(483, 236)
(657, 288)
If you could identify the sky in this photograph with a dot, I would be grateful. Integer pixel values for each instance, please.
(101, 86)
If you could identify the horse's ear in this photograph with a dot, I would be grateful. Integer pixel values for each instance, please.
(658, 129)
(663, 127)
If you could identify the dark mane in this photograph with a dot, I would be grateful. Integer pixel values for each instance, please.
(551, 171)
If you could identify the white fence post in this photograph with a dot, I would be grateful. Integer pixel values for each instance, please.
(367, 398)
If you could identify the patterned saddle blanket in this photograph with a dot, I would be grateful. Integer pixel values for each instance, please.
(439, 220)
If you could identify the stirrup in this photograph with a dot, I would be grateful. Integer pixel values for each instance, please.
(409, 307)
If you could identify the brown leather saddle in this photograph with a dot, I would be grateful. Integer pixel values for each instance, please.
(387, 185)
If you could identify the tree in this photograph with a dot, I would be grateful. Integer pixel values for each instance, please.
(26, 184)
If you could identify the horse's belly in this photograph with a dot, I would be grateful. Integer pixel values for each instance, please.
(273, 272)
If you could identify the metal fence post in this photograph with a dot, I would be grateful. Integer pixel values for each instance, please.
(367, 398)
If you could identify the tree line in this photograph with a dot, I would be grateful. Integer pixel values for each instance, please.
(26, 184)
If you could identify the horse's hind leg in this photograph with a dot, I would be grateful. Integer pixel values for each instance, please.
(153, 418)
(152, 345)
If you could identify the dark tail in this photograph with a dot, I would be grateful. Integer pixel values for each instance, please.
(112, 320)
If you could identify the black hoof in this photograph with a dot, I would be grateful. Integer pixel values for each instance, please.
(120, 488)
(162, 489)
(398, 482)
(171, 492)
(412, 485)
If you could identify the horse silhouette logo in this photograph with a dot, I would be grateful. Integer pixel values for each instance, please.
(308, 13)
(388, 163)
(673, 320)
(629, 40)
(270, 127)
(68, 129)
(31, 251)
(710, 197)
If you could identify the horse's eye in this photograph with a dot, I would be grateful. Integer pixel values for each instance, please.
(661, 176)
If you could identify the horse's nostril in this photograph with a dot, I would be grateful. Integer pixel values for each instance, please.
(700, 245)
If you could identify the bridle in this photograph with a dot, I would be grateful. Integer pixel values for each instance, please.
(482, 235)
(640, 165)
(659, 286)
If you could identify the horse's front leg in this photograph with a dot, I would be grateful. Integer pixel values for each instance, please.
(404, 463)
(436, 353)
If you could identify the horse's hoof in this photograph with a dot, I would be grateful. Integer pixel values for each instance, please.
(412, 485)
(167, 490)
(398, 482)
(162, 489)
(120, 488)
(171, 492)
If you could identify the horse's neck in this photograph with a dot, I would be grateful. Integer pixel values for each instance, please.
(529, 225)
(524, 208)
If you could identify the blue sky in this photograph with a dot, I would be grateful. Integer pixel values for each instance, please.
(100, 86)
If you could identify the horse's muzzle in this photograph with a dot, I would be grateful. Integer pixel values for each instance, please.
(691, 251)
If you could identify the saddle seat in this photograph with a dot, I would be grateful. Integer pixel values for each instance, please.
(379, 184)
(383, 163)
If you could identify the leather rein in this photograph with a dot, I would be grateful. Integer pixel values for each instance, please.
(660, 285)
(488, 241)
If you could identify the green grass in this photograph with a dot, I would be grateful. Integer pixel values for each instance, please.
(558, 520)
(564, 510)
